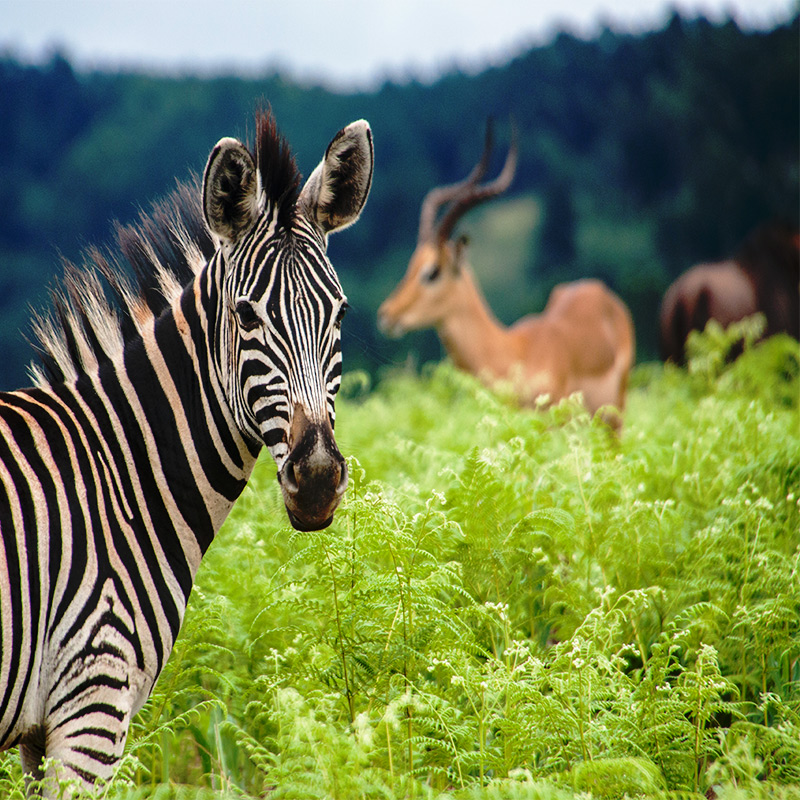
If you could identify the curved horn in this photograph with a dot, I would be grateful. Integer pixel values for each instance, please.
(472, 197)
(437, 197)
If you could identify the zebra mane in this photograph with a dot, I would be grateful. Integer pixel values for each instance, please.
(98, 307)
(280, 179)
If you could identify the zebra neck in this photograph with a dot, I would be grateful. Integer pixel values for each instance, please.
(180, 430)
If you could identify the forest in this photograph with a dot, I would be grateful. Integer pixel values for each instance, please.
(639, 155)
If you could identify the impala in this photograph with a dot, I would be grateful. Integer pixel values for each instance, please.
(583, 341)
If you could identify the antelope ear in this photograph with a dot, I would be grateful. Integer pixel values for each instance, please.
(337, 189)
(230, 190)
(461, 245)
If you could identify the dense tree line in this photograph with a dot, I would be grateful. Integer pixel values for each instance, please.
(640, 154)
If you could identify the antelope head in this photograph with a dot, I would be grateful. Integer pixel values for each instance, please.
(430, 286)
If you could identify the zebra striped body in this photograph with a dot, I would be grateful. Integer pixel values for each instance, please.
(119, 466)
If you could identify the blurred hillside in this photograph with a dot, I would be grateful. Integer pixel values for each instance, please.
(640, 155)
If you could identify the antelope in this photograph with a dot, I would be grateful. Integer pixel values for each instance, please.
(762, 276)
(583, 341)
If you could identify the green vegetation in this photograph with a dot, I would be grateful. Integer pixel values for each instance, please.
(510, 604)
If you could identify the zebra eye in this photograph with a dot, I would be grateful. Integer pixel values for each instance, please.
(247, 316)
(340, 316)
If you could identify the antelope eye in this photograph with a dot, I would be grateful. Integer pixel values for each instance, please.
(340, 316)
(432, 273)
(247, 316)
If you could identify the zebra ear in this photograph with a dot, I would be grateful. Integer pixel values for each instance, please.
(337, 189)
(230, 190)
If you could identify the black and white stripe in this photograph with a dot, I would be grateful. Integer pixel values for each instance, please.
(152, 401)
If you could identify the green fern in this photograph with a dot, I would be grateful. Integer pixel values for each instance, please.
(510, 604)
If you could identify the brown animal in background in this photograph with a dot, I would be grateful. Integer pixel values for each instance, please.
(764, 276)
(582, 342)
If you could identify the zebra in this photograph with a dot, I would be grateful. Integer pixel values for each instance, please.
(211, 328)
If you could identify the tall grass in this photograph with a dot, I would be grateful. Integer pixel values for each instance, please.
(510, 604)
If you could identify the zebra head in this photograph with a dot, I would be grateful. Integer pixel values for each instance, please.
(277, 338)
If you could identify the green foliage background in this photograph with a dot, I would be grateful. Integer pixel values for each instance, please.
(509, 604)
(640, 154)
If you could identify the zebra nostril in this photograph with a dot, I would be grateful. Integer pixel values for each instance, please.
(343, 479)
(289, 479)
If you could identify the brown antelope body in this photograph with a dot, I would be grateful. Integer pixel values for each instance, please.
(583, 341)
(762, 277)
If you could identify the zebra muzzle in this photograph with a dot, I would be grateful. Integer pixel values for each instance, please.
(314, 476)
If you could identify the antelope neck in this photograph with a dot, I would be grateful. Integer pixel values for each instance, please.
(473, 337)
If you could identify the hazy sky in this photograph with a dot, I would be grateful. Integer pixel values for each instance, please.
(347, 42)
